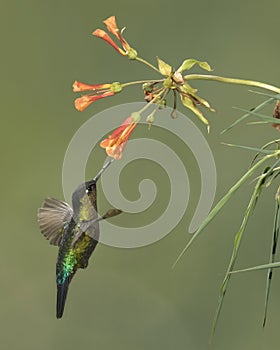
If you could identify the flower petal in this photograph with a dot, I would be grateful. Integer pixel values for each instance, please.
(103, 35)
(116, 133)
(111, 25)
(79, 87)
(83, 102)
(116, 151)
(115, 143)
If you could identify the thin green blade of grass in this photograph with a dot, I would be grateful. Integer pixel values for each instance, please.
(273, 97)
(276, 173)
(237, 240)
(258, 123)
(274, 243)
(272, 174)
(259, 107)
(224, 200)
(268, 120)
(264, 147)
(257, 268)
(255, 149)
(262, 117)
(252, 112)
(264, 180)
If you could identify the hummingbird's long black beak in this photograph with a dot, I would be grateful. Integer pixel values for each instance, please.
(105, 166)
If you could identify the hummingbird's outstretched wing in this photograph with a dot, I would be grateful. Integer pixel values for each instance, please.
(52, 217)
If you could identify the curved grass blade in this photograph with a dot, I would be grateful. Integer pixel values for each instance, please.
(267, 120)
(237, 240)
(274, 97)
(274, 243)
(263, 179)
(257, 268)
(264, 118)
(257, 123)
(275, 174)
(264, 147)
(259, 150)
(224, 200)
(255, 109)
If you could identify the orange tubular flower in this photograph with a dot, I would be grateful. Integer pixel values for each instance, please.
(115, 143)
(112, 28)
(83, 102)
(80, 87)
(99, 91)
(111, 25)
(103, 35)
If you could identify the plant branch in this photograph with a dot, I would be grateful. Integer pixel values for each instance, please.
(147, 64)
(233, 81)
(141, 82)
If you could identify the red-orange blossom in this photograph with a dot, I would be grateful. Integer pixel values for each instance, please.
(115, 143)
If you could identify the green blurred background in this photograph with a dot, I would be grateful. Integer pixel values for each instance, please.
(131, 299)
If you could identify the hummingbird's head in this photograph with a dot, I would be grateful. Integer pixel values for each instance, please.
(84, 197)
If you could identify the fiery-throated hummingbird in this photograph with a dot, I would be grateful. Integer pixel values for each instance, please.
(74, 230)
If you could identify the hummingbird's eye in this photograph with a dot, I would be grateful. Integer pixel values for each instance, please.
(89, 189)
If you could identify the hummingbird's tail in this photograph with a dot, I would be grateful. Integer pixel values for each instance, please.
(62, 290)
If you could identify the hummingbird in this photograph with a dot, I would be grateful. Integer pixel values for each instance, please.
(75, 230)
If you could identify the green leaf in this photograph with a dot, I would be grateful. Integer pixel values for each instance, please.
(205, 66)
(189, 63)
(204, 103)
(191, 100)
(164, 68)
(188, 89)
(188, 102)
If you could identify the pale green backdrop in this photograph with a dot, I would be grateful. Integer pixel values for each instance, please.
(130, 299)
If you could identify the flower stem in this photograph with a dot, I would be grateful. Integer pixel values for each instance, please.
(153, 100)
(141, 82)
(232, 81)
(148, 64)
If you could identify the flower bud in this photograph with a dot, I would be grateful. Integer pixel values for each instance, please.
(132, 54)
(178, 78)
(116, 87)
